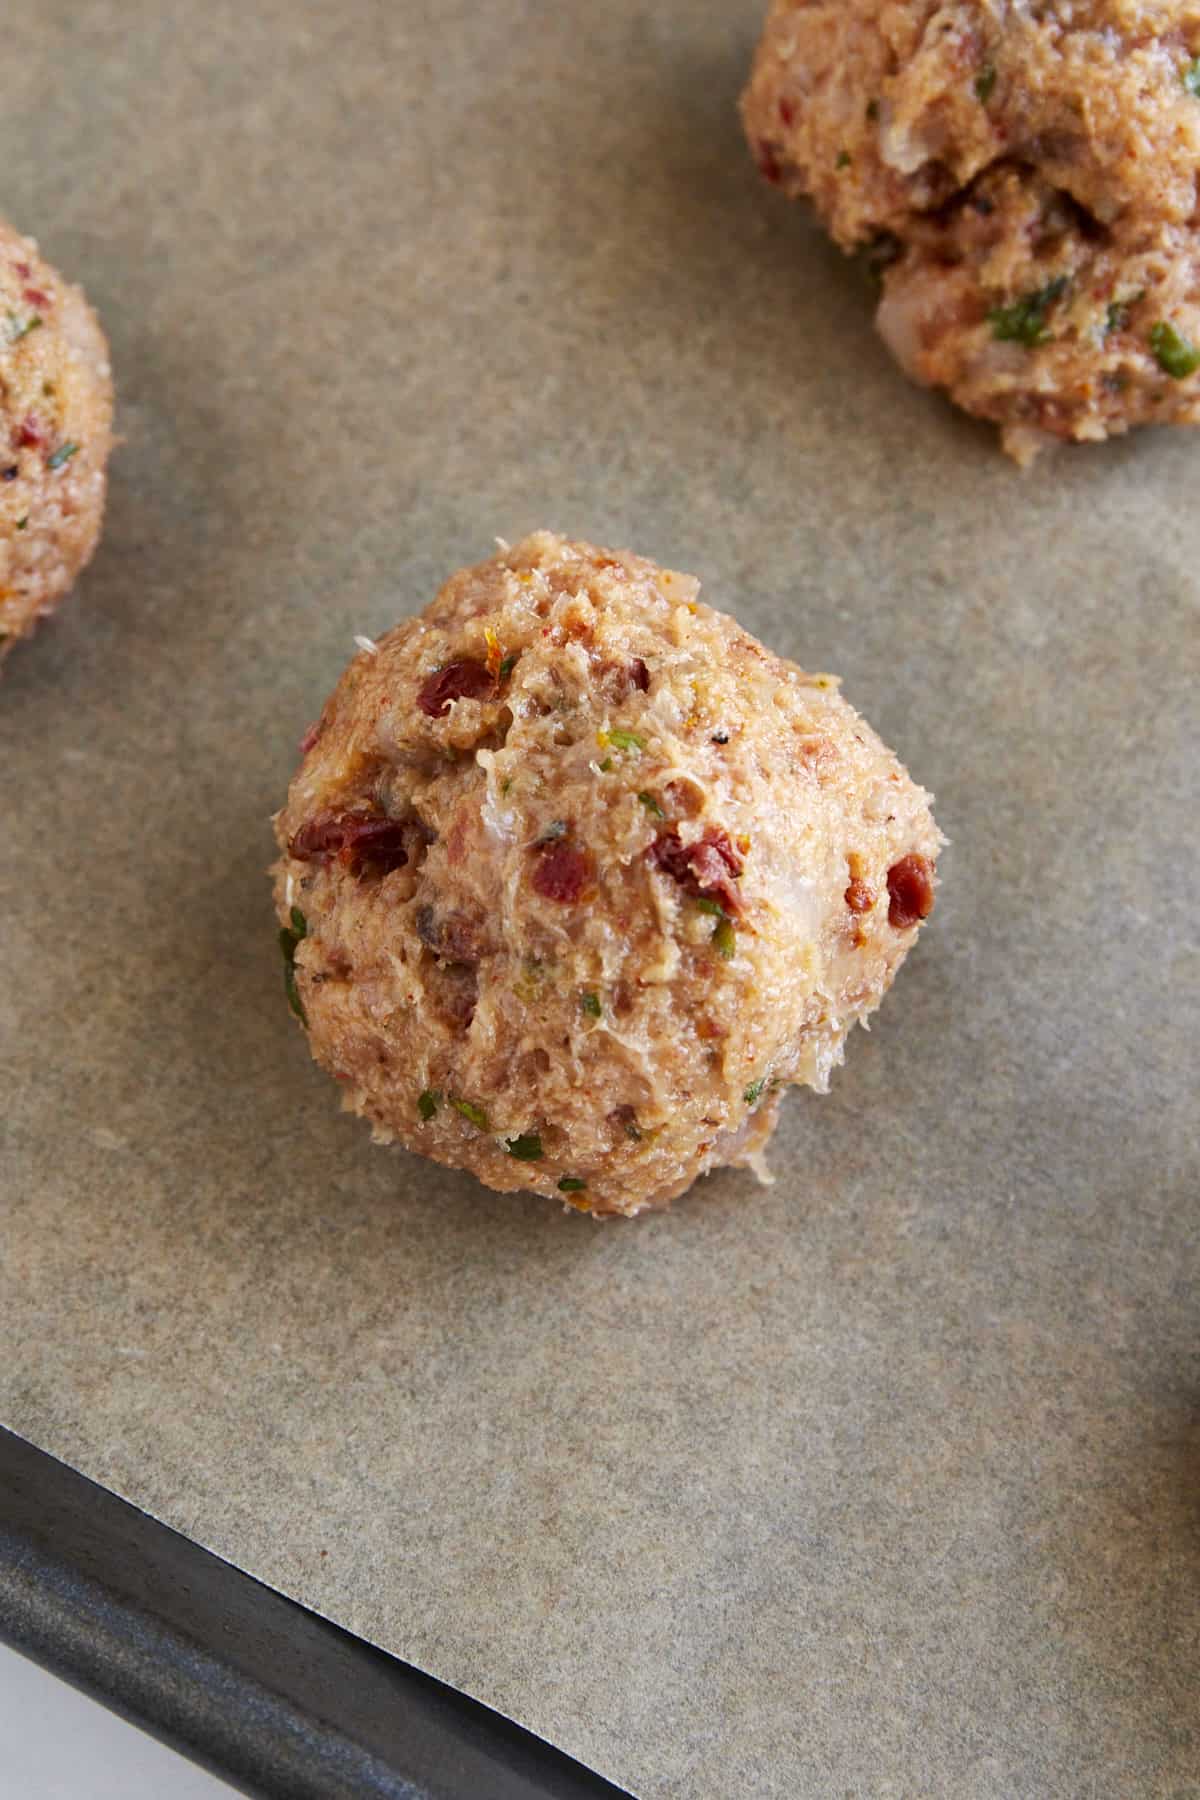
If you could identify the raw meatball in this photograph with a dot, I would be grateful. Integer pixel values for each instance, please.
(56, 424)
(577, 877)
(1032, 171)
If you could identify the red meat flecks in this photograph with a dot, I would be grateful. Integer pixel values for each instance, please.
(464, 680)
(706, 869)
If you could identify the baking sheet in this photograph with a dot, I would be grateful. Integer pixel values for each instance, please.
(881, 1481)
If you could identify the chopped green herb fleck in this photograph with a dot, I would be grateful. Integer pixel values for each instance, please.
(22, 523)
(289, 937)
(293, 994)
(1024, 322)
(506, 784)
(63, 454)
(507, 666)
(474, 1115)
(571, 1184)
(591, 1005)
(1173, 353)
(1191, 78)
(652, 806)
(872, 110)
(427, 1103)
(711, 906)
(725, 940)
(17, 330)
(843, 160)
(526, 1148)
(985, 81)
(754, 1091)
(626, 740)
(606, 765)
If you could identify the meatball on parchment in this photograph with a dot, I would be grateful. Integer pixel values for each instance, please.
(1031, 172)
(56, 425)
(576, 877)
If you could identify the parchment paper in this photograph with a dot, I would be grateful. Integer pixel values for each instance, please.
(880, 1482)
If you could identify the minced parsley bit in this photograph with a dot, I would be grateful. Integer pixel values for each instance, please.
(22, 523)
(754, 1091)
(571, 1184)
(428, 1103)
(506, 667)
(985, 81)
(1173, 353)
(289, 937)
(652, 806)
(526, 1148)
(473, 1114)
(1024, 322)
(621, 740)
(591, 1005)
(62, 455)
(1191, 78)
(724, 938)
(18, 329)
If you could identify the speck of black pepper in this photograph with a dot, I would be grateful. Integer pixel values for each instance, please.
(10, 474)
(720, 737)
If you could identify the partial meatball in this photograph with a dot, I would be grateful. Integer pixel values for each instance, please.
(1026, 173)
(56, 405)
(576, 877)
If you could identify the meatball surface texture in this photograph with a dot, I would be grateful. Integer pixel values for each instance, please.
(56, 423)
(576, 877)
(1030, 170)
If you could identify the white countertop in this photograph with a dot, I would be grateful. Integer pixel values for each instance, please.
(56, 1744)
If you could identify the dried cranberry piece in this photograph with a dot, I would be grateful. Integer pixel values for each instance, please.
(561, 873)
(356, 839)
(639, 674)
(36, 297)
(456, 993)
(452, 936)
(910, 891)
(768, 164)
(30, 434)
(464, 680)
(859, 897)
(706, 869)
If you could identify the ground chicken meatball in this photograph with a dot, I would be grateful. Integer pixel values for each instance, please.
(576, 877)
(1027, 174)
(56, 423)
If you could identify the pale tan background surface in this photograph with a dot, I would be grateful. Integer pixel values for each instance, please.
(881, 1482)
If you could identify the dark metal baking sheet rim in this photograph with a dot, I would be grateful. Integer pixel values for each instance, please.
(278, 1701)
